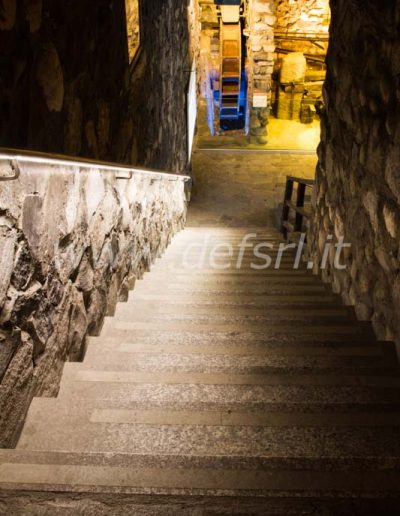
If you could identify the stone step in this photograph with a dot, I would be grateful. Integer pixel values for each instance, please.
(114, 360)
(230, 249)
(239, 232)
(228, 483)
(224, 283)
(205, 259)
(281, 287)
(232, 299)
(274, 339)
(284, 316)
(252, 328)
(258, 250)
(243, 239)
(98, 411)
(247, 269)
(238, 347)
(225, 246)
(285, 441)
(235, 391)
(78, 372)
(143, 307)
(244, 277)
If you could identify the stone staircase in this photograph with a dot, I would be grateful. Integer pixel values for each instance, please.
(217, 392)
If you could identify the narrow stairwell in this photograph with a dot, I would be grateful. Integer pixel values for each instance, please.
(217, 391)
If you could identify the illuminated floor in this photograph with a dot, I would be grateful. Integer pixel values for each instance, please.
(243, 188)
(282, 135)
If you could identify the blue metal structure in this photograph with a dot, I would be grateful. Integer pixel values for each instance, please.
(227, 2)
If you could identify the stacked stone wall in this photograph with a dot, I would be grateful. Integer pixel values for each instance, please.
(72, 243)
(261, 58)
(358, 180)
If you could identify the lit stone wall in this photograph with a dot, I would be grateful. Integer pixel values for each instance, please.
(132, 27)
(261, 57)
(194, 20)
(358, 179)
(72, 243)
(304, 16)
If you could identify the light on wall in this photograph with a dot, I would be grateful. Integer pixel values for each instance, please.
(132, 11)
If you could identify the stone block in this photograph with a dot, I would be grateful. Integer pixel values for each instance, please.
(8, 239)
(8, 14)
(33, 9)
(50, 77)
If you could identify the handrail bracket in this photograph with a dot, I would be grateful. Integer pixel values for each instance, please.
(9, 171)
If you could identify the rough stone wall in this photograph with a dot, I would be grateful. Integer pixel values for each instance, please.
(66, 85)
(153, 122)
(72, 243)
(303, 16)
(358, 179)
(261, 47)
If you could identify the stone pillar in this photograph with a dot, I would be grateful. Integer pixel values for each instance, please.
(260, 26)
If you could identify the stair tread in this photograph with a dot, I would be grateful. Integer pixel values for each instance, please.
(234, 395)
(232, 347)
(121, 320)
(144, 307)
(98, 411)
(85, 477)
(152, 360)
(251, 328)
(79, 372)
(276, 338)
(258, 440)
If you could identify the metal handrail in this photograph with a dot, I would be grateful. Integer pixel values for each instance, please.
(16, 156)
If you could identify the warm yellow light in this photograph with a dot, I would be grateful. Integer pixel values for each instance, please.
(132, 9)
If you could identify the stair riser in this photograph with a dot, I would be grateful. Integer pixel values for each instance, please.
(97, 346)
(224, 283)
(305, 328)
(144, 308)
(241, 364)
(275, 341)
(199, 289)
(244, 301)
